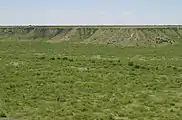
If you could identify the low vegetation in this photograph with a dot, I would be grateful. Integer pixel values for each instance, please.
(68, 80)
(77, 81)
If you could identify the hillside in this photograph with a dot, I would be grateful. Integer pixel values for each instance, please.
(99, 35)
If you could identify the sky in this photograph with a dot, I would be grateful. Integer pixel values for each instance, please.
(90, 12)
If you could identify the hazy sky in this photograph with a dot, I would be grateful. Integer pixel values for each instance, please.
(62, 12)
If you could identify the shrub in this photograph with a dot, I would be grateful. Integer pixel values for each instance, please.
(179, 69)
(157, 68)
(137, 66)
(174, 68)
(169, 66)
(105, 66)
(130, 63)
(58, 58)
(37, 74)
(2, 114)
(65, 58)
(145, 67)
(42, 57)
(71, 60)
(114, 64)
(92, 61)
(132, 73)
(52, 58)
(110, 61)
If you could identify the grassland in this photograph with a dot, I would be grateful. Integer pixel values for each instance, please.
(73, 81)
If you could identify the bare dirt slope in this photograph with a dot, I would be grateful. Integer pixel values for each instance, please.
(98, 35)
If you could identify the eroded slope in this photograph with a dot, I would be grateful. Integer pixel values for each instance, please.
(98, 35)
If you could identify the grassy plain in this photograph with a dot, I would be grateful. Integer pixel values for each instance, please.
(67, 81)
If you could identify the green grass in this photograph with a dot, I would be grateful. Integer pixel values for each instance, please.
(84, 81)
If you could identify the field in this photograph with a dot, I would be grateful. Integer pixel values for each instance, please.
(72, 81)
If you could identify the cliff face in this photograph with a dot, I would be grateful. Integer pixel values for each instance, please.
(100, 35)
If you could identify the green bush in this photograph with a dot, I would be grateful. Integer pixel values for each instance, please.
(42, 57)
(92, 61)
(2, 114)
(130, 63)
(65, 58)
(52, 58)
(136, 66)
(58, 58)
(71, 60)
